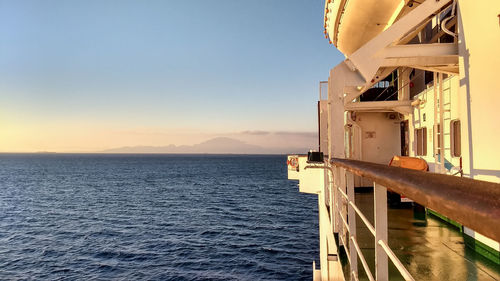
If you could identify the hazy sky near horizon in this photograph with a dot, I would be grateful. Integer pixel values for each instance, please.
(91, 75)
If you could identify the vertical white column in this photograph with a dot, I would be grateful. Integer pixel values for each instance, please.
(336, 219)
(326, 187)
(403, 85)
(329, 120)
(441, 121)
(351, 213)
(331, 188)
(380, 205)
(437, 158)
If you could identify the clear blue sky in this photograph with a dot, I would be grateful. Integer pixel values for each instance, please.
(213, 66)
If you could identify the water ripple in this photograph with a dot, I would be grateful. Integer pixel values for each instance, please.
(153, 217)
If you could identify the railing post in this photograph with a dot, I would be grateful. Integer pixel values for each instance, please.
(323, 244)
(336, 184)
(380, 205)
(331, 189)
(326, 187)
(351, 218)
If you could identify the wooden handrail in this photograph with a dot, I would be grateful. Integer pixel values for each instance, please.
(473, 203)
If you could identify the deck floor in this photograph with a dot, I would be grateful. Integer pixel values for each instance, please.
(429, 248)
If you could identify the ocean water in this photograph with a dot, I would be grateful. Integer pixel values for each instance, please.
(153, 217)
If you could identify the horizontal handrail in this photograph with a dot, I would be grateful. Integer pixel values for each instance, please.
(473, 203)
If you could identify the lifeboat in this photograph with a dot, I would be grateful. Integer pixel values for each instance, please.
(351, 23)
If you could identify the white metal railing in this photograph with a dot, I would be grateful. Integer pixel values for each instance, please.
(478, 210)
(346, 200)
(342, 220)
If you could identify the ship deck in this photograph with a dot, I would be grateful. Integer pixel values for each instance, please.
(430, 248)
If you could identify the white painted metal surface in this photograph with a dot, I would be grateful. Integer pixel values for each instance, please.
(380, 203)
(310, 180)
(393, 35)
(380, 231)
(351, 213)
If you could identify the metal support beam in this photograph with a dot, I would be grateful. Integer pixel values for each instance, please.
(365, 58)
(449, 69)
(424, 61)
(410, 35)
(336, 183)
(421, 50)
(441, 120)
(437, 151)
(380, 106)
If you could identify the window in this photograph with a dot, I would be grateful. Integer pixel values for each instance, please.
(456, 144)
(421, 141)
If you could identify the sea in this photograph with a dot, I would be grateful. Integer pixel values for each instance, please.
(153, 217)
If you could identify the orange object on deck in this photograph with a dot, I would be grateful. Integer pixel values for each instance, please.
(409, 163)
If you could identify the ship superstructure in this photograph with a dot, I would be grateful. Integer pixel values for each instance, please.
(419, 82)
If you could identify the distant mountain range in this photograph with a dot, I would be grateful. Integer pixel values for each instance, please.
(220, 145)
